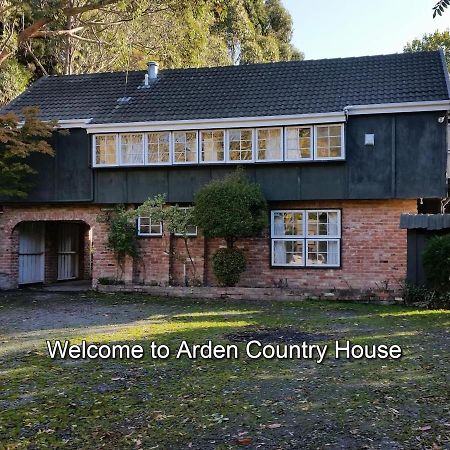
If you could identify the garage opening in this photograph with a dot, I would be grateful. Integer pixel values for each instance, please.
(51, 251)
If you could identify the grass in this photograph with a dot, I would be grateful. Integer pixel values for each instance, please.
(219, 404)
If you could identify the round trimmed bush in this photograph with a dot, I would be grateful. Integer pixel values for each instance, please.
(436, 262)
(228, 264)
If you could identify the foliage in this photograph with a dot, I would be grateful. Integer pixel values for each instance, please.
(228, 264)
(176, 219)
(425, 297)
(19, 138)
(432, 41)
(91, 36)
(231, 208)
(436, 262)
(121, 237)
(14, 78)
(439, 7)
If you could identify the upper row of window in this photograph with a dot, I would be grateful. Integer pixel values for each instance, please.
(299, 143)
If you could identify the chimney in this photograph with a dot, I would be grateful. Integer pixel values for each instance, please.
(152, 70)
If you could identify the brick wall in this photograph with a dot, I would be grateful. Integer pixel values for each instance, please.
(373, 249)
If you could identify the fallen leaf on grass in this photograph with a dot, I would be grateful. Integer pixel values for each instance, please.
(425, 428)
(271, 426)
(245, 441)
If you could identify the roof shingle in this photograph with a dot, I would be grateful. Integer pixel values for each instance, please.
(284, 88)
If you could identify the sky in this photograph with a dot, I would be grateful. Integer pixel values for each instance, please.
(339, 28)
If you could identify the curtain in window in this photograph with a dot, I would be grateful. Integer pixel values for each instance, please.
(279, 250)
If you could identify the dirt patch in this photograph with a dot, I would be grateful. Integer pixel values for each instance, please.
(270, 335)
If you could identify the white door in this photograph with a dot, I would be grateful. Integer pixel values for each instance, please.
(31, 252)
(68, 247)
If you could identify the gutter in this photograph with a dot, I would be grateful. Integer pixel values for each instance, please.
(389, 108)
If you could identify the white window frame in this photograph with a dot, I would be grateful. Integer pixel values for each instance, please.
(139, 233)
(121, 163)
(94, 150)
(302, 240)
(295, 237)
(227, 148)
(305, 238)
(256, 138)
(200, 143)
(153, 164)
(172, 149)
(309, 265)
(311, 143)
(329, 158)
(188, 234)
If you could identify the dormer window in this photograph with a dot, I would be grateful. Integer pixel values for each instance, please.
(158, 148)
(240, 145)
(105, 149)
(131, 149)
(212, 146)
(293, 143)
(184, 147)
(269, 144)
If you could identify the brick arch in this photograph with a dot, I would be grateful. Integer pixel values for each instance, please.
(13, 216)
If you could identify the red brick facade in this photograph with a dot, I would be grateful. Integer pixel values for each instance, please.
(373, 250)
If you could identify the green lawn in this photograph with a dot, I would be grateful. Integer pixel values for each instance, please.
(177, 404)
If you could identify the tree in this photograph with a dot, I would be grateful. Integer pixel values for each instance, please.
(432, 41)
(230, 208)
(439, 7)
(18, 140)
(88, 36)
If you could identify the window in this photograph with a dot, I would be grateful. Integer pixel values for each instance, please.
(105, 149)
(185, 147)
(148, 228)
(131, 149)
(298, 143)
(191, 230)
(158, 148)
(212, 146)
(269, 144)
(306, 238)
(240, 145)
(329, 141)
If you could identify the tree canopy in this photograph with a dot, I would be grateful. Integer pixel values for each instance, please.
(431, 41)
(84, 36)
(18, 140)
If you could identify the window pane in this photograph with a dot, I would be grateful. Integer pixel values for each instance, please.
(131, 149)
(185, 146)
(158, 148)
(105, 149)
(329, 141)
(323, 223)
(146, 227)
(323, 252)
(269, 144)
(240, 145)
(288, 224)
(213, 146)
(298, 143)
(287, 252)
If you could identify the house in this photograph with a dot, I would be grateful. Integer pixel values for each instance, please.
(342, 148)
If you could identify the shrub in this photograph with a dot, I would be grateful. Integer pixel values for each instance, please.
(110, 281)
(228, 264)
(230, 208)
(424, 297)
(436, 262)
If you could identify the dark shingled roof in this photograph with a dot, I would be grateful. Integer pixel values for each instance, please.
(284, 88)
